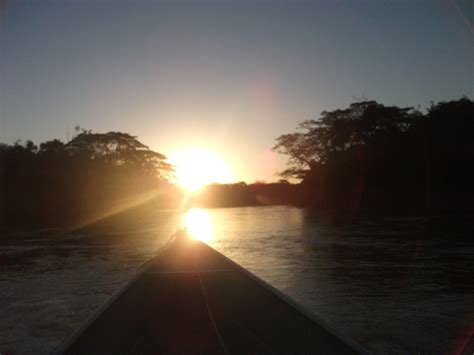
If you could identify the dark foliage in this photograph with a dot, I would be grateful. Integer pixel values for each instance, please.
(376, 158)
(60, 183)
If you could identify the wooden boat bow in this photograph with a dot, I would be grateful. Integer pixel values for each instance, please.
(192, 299)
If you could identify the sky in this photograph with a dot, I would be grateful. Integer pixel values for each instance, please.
(226, 76)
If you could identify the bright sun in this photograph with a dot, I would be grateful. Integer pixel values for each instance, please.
(196, 168)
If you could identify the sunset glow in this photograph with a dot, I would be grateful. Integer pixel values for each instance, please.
(197, 168)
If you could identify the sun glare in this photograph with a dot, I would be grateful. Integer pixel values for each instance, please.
(198, 224)
(196, 168)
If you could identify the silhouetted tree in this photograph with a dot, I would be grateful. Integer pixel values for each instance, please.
(370, 156)
(54, 147)
(59, 183)
(363, 123)
(119, 150)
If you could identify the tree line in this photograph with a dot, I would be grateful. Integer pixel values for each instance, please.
(366, 158)
(62, 183)
(371, 157)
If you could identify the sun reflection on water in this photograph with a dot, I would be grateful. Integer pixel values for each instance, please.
(198, 223)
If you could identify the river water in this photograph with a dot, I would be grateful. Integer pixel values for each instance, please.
(394, 285)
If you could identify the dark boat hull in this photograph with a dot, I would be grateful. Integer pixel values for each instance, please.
(192, 299)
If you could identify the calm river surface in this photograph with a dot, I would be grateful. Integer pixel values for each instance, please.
(394, 285)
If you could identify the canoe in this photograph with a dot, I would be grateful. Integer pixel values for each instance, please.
(191, 299)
